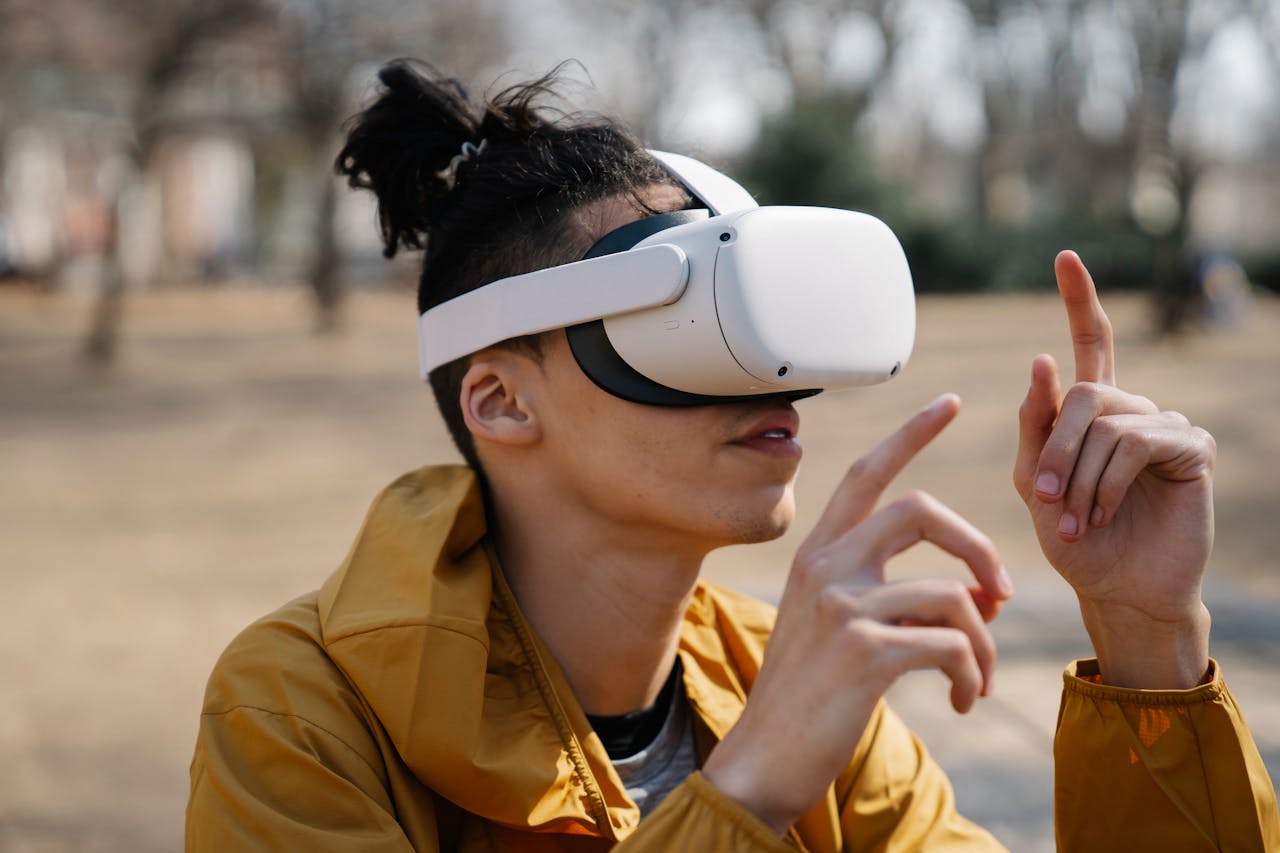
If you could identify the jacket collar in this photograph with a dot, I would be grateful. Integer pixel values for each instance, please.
(423, 624)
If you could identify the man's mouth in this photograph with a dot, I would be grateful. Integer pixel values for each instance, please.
(773, 432)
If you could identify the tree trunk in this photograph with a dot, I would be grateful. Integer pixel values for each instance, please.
(102, 342)
(325, 274)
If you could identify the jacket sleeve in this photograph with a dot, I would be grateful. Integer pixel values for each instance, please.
(696, 816)
(1158, 770)
(892, 798)
(268, 781)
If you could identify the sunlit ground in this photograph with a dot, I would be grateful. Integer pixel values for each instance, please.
(149, 511)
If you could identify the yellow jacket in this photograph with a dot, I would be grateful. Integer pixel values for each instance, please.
(408, 706)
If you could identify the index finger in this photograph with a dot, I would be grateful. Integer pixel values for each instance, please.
(1090, 328)
(867, 478)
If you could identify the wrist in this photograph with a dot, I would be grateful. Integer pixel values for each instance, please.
(737, 778)
(1136, 650)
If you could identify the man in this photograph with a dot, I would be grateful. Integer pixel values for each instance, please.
(519, 655)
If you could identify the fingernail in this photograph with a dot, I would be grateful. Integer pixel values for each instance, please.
(1095, 517)
(1047, 483)
(1004, 581)
(1067, 526)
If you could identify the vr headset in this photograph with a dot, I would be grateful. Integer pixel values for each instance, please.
(725, 303)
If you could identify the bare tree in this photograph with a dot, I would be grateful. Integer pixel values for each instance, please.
(147, 45)
(185, 26)
(150, 49)
(324, 42)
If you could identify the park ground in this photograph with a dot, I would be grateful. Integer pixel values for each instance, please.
(220, 467)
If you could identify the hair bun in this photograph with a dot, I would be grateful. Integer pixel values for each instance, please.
(402, 147)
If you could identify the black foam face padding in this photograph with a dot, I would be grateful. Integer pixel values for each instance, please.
(627, 236)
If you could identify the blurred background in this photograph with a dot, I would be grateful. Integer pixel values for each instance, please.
(207, 369)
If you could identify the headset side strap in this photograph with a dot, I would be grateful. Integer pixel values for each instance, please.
(550, 299)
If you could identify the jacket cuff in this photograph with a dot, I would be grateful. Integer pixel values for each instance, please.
(751, 827)
(1083, 678)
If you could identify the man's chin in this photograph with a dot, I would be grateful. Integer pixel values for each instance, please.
(760, 536)
(753, 531)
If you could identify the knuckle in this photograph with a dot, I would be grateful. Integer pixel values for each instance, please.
(985, 546)
(1083, 394)
(1107, 427)
(1208, 442)
(990, 550)
(951, 592)
(955, 645)
(1097, 333)
(870, 470)
(833, 605)
(857, 638)
(1058, 450)
(985, 644)
(914, 503)
(812, 571)
(1131, 445)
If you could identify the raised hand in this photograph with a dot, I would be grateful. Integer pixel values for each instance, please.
(1120, 493)
(844, 635)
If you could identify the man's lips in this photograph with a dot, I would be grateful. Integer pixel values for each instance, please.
(779, 423)
(774, 432)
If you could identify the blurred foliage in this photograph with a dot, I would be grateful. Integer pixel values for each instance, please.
(1003, 132)
(1264, 270)
(811, 154)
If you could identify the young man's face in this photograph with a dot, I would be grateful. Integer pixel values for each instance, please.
(699, 477)
(695, 478)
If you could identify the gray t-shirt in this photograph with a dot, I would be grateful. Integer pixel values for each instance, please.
(651, 774)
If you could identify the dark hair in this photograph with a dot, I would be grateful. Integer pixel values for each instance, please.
(500, 212)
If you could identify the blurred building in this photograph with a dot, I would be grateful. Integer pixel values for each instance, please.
(195, 148)
(210, 174)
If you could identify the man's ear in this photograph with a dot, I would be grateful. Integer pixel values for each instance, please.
(494, 405)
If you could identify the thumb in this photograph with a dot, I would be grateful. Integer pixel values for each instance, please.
(1036, 417)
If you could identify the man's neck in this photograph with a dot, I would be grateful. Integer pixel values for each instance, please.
(607, 603)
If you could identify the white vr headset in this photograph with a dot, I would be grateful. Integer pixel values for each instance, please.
(715, 305)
